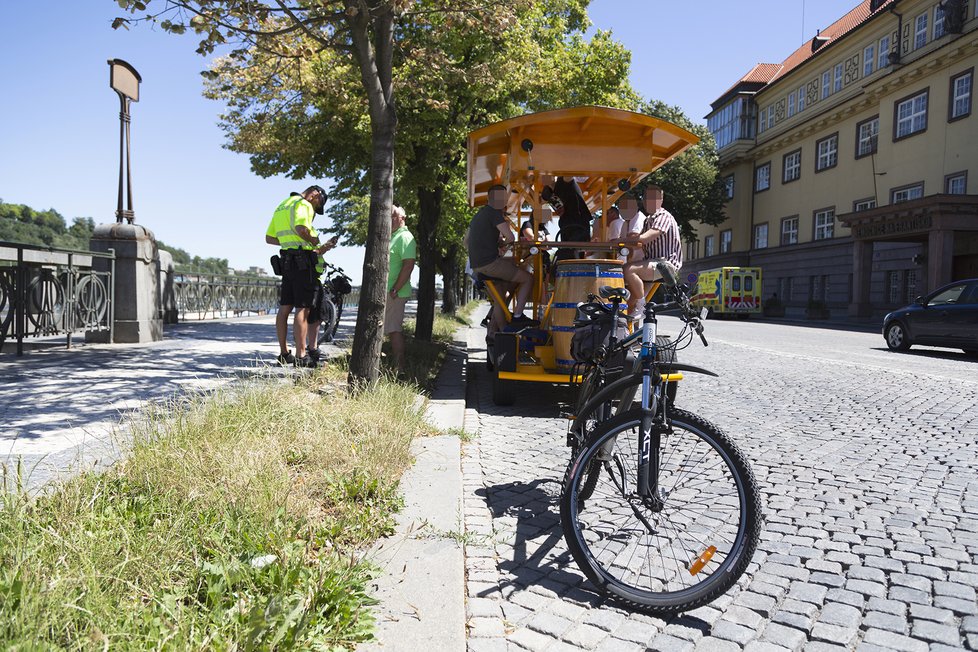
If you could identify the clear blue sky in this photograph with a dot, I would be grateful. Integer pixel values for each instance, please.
(59, 123)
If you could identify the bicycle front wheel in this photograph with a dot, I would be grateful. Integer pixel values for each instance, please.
(675, 553)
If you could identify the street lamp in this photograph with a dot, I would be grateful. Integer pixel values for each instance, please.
(124, 80)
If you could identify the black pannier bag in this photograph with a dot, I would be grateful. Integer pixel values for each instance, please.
(592, 333)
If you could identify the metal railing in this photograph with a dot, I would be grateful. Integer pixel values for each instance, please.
(46, 292)
(214, 296)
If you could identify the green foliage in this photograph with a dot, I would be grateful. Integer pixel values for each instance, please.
(184, 263)
(692, 188)
(19, 223)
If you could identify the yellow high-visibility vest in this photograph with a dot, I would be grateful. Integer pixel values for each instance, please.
(294, 211)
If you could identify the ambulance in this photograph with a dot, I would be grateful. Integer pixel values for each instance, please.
(729, 291)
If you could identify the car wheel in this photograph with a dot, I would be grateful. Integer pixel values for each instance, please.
(896, 337)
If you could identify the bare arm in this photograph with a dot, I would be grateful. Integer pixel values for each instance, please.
(272, 240)
(404, 276)
(304, 233)
(506, 232)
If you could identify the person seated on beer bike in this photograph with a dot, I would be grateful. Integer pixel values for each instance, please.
(488, 230)
(573, 216)
(658, 241)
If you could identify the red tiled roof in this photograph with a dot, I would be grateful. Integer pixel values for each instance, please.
(765, 73)
(762, 72)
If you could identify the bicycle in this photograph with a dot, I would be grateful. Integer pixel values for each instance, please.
(336, 285)
(659, 508)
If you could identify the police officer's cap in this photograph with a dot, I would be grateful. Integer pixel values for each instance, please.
(322, 193)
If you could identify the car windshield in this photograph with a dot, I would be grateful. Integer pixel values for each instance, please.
(950, 295)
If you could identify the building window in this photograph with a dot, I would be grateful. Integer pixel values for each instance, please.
(760, 236)
(867, 136)
(726, 241)
(770, 117)
(735, 121)
(837, 83)
(762, 121)
(863, 205)
(826, 81)
(956, 184)
(884, 53)
(869, 58)
(791, 166)
(801, 99)
(708, 246)
(762, 177)
(910, 116)
(791, 104)
(728, 184)
(789, 230)
(911, 285)
(827, 154)
(920, 31)
(960, 103)
(824, 224)
(938, 21)
(906, 193)
(893, 287)
(691, 248)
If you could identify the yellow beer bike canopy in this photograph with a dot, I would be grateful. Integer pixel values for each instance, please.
(598, 145)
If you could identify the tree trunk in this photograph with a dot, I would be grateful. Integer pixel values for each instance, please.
(449, 275)
(429, 215)
(373, 41)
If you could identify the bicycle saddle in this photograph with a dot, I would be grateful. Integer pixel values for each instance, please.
(612, 292)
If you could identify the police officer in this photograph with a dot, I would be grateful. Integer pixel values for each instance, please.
(291, 230)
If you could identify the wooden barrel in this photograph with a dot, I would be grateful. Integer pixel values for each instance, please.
(575, 279)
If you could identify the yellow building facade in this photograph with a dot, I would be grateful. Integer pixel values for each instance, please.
(852, 166)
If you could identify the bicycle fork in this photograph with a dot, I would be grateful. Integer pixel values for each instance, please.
(649, 432)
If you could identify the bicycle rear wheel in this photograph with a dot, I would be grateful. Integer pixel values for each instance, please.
(328, 311)
(676, 558)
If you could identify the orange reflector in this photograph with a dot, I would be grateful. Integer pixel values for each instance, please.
(702, 560)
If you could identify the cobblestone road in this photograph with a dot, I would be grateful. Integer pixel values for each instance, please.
(867, 463)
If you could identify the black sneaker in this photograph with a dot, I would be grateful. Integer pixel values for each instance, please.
(523, 322)
(305, 361)
(315, 355)
(286, 358)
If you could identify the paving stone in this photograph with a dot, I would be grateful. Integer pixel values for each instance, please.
(935, 633)
(960, 591)
(889, 622)
(892, 641)
(733, 632)
(586, 636)
(846, 597)
(794, 620)
(908, 595)
(663, 643)
(635, 631)
(805, 592)
(783, 635)
(835, 634)
(547, 623)
(604, 619)
(870, 589)
(487, 645)
(958, 606)
(840, 614)
(935, 614)
(823, 646)
(894, 607)
(762, 604)
(485, 627)
(714, 644)
(530, 640)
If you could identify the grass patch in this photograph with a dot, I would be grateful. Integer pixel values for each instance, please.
(423, 360)
(237, 522)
